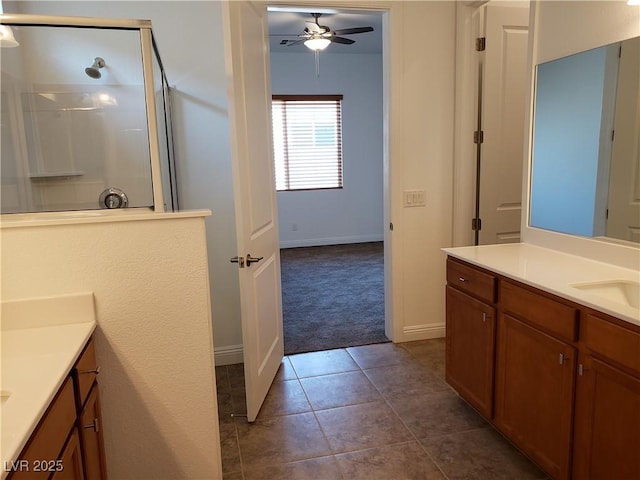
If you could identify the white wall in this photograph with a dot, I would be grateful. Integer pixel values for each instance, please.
(153, 339)
(421, 106)
(190, 41)
(355, 212)
(421, 143)
(592, 24)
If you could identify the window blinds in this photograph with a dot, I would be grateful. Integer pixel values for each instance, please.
(307, 141)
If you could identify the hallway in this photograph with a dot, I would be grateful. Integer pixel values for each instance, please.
(372, 412)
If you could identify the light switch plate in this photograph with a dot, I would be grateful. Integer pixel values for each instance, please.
(414, 198)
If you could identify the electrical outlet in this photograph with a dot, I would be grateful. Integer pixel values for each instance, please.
(414, 198)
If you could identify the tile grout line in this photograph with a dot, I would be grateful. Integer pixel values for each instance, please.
(324, 435)
(314, 410)
(413, 435)
(415, 438)
(235, 425)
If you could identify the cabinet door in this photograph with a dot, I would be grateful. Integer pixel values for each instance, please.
(607, 434)
(470, 347)
(91, 438)
(535, 379)
(71, 460)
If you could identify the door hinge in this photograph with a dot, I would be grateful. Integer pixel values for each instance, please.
(478, 136)
(476, 224)
(481, 44)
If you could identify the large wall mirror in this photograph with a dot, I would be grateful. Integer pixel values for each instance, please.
(585, 177)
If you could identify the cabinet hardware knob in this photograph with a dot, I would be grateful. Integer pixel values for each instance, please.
(462, 279)
(563, 358)
(95, 425)
(95, 370)
(581, 370)
(484, 316)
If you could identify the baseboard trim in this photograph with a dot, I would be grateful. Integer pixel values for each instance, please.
(317, 242)
(423, 332)
(228, 355)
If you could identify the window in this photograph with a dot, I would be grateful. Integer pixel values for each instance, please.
(307, 141)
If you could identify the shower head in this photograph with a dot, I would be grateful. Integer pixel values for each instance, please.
(94, 70)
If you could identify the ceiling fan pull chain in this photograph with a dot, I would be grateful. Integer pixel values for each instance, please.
(317, 58)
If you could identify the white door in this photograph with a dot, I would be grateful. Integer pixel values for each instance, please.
(623, 221)
(504, 95)
(246, 51)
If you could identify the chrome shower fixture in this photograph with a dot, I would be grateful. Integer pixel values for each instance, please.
(94, 70)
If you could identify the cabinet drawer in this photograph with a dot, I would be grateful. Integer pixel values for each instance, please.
(49, 437)
(85, 372)
(471, 280)
(612, 341)
(550, 315)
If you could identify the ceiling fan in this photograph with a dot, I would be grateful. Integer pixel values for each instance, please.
(318, 37)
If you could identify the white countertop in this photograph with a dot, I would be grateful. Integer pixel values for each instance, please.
(41, 340)
(554, 272)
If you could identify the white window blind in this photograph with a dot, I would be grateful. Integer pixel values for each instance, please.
(307, 141)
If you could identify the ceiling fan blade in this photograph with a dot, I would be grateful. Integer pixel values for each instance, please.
(351, 31)
(345, 41)
(296, 42)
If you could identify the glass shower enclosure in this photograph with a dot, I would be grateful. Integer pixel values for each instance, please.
(85, 116)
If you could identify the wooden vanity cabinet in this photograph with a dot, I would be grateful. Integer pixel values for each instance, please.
(40, 456)
(71, 457)
(535, 376)
(67, 444)
(565, 378)
(470, 337)
(85, 373)
(607, 410)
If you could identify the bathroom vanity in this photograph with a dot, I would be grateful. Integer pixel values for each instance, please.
(546, 346)
(51, 418)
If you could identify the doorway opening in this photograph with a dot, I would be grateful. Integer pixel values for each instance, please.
(332, 239)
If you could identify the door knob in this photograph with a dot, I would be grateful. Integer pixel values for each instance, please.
(238, 260)
(251, 259)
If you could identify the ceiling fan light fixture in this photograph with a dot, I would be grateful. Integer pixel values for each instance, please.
(317, 43)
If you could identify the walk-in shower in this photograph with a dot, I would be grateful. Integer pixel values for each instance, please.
(79, 132)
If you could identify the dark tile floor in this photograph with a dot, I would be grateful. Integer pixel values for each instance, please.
(374, 412)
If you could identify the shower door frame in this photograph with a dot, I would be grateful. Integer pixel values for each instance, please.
(147, 52)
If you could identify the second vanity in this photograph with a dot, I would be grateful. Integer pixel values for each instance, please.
(50, 413)
(546, 346)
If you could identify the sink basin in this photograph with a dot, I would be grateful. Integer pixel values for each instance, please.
(626, 292)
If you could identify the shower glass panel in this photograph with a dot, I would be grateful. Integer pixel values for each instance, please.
(75, 129)
(165, 134)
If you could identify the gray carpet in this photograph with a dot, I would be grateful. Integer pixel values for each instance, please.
(332, 296)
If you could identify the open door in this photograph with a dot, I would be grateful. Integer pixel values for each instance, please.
(258, 254)
(623, 221)
(504, 86)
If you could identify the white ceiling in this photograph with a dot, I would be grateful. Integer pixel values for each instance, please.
(291, 23)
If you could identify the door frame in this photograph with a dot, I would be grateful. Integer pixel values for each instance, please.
(392, 187)
(469, 25)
